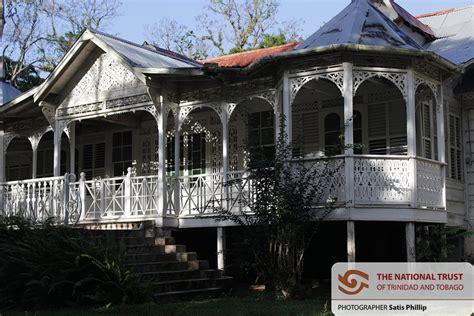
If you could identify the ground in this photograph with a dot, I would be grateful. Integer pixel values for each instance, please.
(225, 306)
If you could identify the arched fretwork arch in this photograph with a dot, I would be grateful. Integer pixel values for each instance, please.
(297, 83)
(399, 79)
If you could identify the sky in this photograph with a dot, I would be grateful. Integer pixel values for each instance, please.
(135, 14)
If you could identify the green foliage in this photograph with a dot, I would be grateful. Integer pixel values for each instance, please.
(289, 201)
(28, 78)
(269, 40)
(51, 266)
(438, 243)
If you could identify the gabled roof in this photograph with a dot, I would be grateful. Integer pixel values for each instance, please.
(145, 56)
(360, 23)
(454, 29)
(247, 58)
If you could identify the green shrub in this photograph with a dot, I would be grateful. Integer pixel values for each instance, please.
(50, 266)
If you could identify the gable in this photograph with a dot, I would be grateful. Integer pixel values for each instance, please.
(107, 78)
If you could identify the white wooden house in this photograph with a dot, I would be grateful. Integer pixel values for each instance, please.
(146, 134)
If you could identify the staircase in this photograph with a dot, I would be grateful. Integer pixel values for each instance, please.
(172, 272)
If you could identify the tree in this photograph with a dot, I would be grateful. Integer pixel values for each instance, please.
(171, 35)
(28, 78)
(226, 26)
(290, 198)
(39, 32)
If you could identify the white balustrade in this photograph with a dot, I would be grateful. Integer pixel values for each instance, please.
(378, 180)
(381, 180)
(35, 199)
(430, 180)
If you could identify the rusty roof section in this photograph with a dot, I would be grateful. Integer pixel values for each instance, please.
(413, 21)
(425, 15)
(244, 59)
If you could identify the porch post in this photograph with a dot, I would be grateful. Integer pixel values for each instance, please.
(221, 248)
(441, 144)
(58, 131)
(351, 248)
(2, 167)
(411, 136)
(34, 167)
(286, 106)
(225, 157)
(347, 91)
(162, 189)
(410, 242)
(177, 162)
(72, 147)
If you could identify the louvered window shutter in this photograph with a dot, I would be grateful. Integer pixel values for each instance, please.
(377, 129)
(426, 130)
(455, 151)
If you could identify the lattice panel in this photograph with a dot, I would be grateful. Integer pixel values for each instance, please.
(106, 74)
(381, 181)
(429, 184)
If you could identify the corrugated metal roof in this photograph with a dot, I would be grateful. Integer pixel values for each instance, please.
(360, 23)
(145, 57)
(7, 92)
(247, 58)
(454, 29)
(410, 19)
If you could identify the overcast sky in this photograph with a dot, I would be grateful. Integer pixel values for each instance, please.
(312, 13)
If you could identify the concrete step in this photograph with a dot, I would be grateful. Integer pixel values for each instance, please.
(159, 276)
(162, 241)
(187, 295)
(153, 257)
(143, 267)
(137, 249)
(192, 284)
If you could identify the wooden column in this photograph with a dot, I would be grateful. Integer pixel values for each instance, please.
(411, 135)
(221, 248)
(347, 93)
(286, 106)
(162, 186)
(177, 161)
(441, 144)
(58, 131)
(34, 165)
(351, 246)
(72, 147)
(225, 154)
(410, 242)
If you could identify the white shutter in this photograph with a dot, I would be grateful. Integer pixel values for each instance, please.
(377, 128)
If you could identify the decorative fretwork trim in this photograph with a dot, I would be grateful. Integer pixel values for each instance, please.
(432, 86)
(398, 79)
(36, 137)
(296, 83)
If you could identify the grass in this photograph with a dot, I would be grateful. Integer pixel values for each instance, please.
(225, 306)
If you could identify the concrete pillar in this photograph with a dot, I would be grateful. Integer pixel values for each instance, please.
(351, 246)
(221, 248)
(411, 135)
(347, 93)
(34, 166)
(410, 242)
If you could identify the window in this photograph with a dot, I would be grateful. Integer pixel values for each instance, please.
(455, 151)
(387, 129)
(261, 135)
(427, 146)
(197, 153)
(45, 163)
(170, 158)
(121, 152)
(93, 160)
(332, 134)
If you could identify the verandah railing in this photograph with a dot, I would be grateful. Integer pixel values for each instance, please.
(378, 180)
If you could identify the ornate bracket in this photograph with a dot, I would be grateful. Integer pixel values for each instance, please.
(7, 139)
(433, 87)
(398, 79)
(49, 111)
(296, 83)
(35, 138)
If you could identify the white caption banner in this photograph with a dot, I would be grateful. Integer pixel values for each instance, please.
(402, 289)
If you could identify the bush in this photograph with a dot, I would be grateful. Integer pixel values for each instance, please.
(51, 266)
